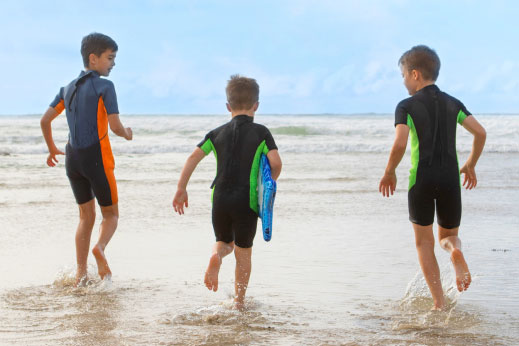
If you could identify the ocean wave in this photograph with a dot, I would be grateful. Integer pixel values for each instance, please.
(325, 148)
(295, 131)
(293, 134)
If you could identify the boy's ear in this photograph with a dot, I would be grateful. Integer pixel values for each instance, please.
(92, 59)
(256, 105)
(228, 107)
(416, 74)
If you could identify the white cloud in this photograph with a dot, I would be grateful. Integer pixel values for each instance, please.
(498, 76)
(172, 75)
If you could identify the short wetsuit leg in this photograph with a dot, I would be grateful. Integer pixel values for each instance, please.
(233, 220)
(100, 176)
(80, 185)
(222, 222)
(421, 202)
(88, 165)
(448, 202)
(244, 224)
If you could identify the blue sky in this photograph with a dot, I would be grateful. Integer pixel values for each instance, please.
(308, 56)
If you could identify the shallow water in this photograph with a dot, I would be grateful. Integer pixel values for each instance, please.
(341, 268)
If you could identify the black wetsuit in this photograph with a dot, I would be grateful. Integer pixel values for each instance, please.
(237, 146)
(432, 117)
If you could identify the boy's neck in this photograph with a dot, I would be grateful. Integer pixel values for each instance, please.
(91, 70)
(423, 84)
(247, 113)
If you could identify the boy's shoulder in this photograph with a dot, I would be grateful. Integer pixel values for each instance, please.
(102, 82)
(259, 127)
(218, 129)
(405, 102)
(452, 99)
(405, 106)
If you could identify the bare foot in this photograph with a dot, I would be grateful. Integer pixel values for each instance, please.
(237, 305)
(211, 274)
(81, 279)
(102, 265)
(463, 278)
(438, 307)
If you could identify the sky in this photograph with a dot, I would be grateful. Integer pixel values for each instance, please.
(309, 57)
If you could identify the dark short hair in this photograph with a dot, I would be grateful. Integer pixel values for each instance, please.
(96, 43)
(423, 59)
(242, 92)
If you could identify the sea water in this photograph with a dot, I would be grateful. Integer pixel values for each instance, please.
(341, 268)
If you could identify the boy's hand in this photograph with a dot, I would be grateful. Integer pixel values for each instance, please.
(470, 176)
(387, 184)
(129, 134)
(51, 159)
(179, 201)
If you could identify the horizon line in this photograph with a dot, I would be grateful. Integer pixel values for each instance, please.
(260, 114)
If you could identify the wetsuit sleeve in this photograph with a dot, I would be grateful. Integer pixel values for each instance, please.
(463, 113)
(110, 99)
(400, 114)
(58, 104)
(206, 144)
(269, 141)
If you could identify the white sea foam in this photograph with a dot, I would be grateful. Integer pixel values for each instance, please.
(296, 134)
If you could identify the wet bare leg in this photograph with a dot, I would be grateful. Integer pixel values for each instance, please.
(220, 250)
(242, 275)
(106, 231)
(87, 216)
(431, 271)
(450, 242)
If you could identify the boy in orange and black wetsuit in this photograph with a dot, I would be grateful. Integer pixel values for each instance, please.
(431, 117)
(91, 105)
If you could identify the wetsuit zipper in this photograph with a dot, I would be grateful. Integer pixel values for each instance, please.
(436, 126)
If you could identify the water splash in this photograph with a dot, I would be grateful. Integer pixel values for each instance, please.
(65, 282)
(417, 302)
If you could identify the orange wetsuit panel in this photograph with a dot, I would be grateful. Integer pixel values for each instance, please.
(106, 149)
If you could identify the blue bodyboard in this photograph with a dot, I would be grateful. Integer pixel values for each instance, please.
(266, 195)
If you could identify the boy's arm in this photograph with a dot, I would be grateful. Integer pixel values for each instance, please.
(46, 129)
(180, 199)
(275, 163)
(117, 127)
(388, 182)
(480, 135)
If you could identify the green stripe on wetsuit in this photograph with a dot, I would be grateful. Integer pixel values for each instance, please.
(207, 147)
(461, 117)
(415, 152)
(253, 195)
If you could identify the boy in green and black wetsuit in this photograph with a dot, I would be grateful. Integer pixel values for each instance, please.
(431, 117)
(237, 146)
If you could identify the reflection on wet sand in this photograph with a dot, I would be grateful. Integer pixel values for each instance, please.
(61, 314)
(154, 313)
